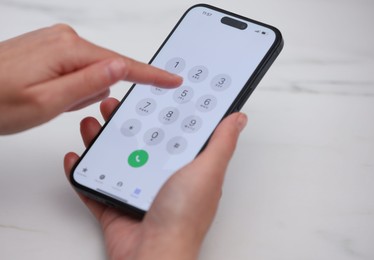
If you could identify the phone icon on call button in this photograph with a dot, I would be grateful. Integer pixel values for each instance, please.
(138, 158)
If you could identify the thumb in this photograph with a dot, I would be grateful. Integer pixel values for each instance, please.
(190, 197)
(222, 144)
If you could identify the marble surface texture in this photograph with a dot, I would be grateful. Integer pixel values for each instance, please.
(301, 184)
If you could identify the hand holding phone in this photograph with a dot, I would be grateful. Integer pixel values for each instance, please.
(155, 132)
(186, 203)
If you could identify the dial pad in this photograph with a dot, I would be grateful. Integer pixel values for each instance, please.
(169, 117)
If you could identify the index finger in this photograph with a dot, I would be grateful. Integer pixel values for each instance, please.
(74, 53)
(143, 73)
(136, 71)
(88, 53)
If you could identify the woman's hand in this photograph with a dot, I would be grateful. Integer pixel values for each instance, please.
(52, 70)
(180, 216)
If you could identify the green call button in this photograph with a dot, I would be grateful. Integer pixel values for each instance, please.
(137, 158)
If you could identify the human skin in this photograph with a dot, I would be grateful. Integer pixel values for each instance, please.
(53, 70)
(181, 214)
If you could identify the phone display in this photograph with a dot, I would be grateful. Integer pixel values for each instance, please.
(155, 131)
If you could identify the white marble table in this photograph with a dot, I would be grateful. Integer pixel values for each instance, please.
(301, 185)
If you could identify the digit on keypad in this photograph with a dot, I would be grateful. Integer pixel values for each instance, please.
(168, 115)
(206, 103)
(191, 124)
(146, 106)
(154, 136)
(183, 94)
(198, 74)
(221, 82)
(175, 65)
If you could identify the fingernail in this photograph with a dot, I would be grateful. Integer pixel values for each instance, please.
(241, 121)
(116, 69)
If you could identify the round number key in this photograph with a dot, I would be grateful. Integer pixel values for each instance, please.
(197, 74)
(158, 91)
(175, 65)
(183, 94)
(176, 145)
(191, 124)
(206, 103)
(131, 127)
(146, 106)
(154, 136)
(168, 115)
(220, 82)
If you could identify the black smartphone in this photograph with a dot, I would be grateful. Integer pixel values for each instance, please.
(154, 132)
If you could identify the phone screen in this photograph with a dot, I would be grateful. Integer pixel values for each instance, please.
(156, 131)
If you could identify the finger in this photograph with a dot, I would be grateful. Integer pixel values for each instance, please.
(89, 128)
(61, 94)
(137, 71)
(92, 100)
(81, 53)
(222, 144)
(69, 161)
(96, 208)
(107, 107)
(146, 74)
(197, 186)
(190, 197)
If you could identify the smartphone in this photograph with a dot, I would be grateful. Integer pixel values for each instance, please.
(154, 132)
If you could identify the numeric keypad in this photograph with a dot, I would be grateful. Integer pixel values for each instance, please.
(181, 111)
